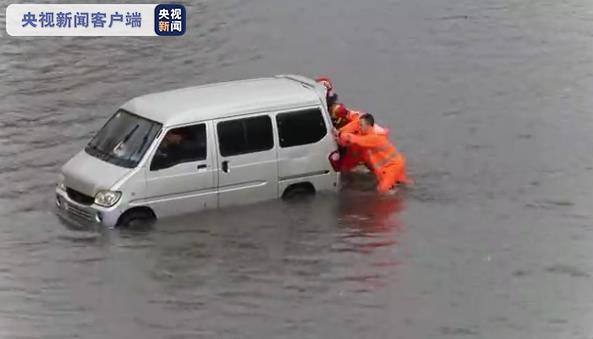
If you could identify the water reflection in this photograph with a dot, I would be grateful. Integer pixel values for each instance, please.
(369, 216)
(369, 213)
(371, 229)
(485, 102)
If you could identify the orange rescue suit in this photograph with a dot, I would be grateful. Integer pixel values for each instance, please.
(383, 158)
(355, 155)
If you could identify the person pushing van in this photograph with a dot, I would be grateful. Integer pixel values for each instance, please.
(388, 165)
(346, 120)
(349, 122)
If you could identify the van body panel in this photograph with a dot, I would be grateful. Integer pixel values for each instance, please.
(322, 182)
(308, 162)
(133, 189)
(183, 188)
(251, 177)
(221, 100)
(88, 175)
(216, 180)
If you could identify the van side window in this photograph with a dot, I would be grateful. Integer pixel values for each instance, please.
(184, 144)
(246, 135)
(301, 127)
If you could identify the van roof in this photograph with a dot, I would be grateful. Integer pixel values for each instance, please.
(226, 99)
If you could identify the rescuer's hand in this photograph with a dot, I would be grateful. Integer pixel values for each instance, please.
(344, 139)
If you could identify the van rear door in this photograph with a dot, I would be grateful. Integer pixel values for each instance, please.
(247, 160)
(305, 143)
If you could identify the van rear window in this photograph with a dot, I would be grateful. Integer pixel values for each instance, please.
(301, 127)
(246, 135)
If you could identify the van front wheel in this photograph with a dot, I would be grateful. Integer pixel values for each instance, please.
(136, 217)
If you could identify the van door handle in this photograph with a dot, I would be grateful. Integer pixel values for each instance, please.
(225, 166)
(202, 166)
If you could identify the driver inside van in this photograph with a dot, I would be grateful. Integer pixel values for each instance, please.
(171, 149)
(184, 144)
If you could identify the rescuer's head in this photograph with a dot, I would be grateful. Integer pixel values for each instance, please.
(367, 121)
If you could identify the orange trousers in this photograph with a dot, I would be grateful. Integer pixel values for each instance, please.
(392, 174)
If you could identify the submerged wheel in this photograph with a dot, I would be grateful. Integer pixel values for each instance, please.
(298, 190)
(136, 217)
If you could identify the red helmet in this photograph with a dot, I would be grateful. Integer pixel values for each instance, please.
(339, 111)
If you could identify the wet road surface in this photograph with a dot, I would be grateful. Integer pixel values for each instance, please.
(490, 101)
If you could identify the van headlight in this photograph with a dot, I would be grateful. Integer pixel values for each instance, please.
(107, 198)
(61, 185)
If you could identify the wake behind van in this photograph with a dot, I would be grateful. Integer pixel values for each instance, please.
(204, 147)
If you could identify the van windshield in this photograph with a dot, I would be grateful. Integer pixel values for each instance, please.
(124, 139)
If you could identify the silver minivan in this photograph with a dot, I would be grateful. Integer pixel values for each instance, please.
(203, 147)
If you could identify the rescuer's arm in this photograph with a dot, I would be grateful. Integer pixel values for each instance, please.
(366, 141)
(353, 115)
(351, 127)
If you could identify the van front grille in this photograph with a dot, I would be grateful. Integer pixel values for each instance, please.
(79, 213)
(79, 197)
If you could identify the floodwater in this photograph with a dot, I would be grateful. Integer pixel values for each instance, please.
(490, 101)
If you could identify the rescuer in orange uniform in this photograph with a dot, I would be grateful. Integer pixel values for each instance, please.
(340, 117)
(388, 165)
(348, 121)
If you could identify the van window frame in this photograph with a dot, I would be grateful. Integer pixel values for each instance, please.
(218, 122)
(130, 164)
(296, 111)
(163, 134)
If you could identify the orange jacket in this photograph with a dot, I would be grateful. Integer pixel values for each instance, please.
(341, 122)
(379, 151)
(353, 125)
